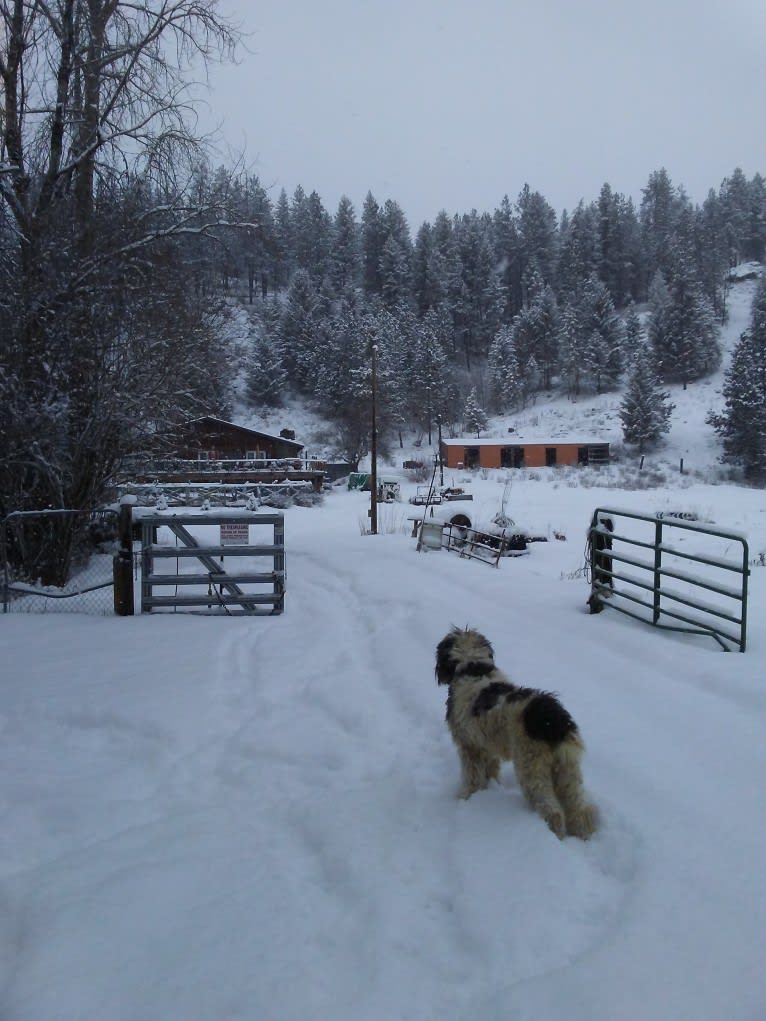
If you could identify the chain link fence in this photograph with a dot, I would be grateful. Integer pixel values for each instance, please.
(58, 561)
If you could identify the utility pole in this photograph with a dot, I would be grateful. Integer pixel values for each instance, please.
(439, 455)
(374, 447)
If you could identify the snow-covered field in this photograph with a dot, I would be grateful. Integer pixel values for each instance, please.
(220, 818)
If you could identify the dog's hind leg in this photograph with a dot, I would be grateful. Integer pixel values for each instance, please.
(581, 817)
(478, 769)
(533, 772)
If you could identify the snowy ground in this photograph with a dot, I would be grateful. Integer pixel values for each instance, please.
(220, 818)
(225, 819)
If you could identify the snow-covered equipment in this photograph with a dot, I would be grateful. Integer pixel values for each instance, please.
(424, 496)
(451, 493)
(389, 490)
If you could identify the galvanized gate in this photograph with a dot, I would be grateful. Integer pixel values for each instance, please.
(663, 592)
(215, 587)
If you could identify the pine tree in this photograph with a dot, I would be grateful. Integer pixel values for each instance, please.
(505, 382)
(508, 257)
(266, 374)
(536, 334)
(659, 313)
(632, 331)
(299, 326)
(712, 256)
(572, 350)
(578, 254)
(685, 335)
(318, 238)
(547, 347)
(645, 409)
(599, 322)
(299, 229)
(630, 277)
(479, 305)
(392, 331)
(430, 386)
(755, 242)
(742, 425)
(284, 258)
(474, 416)
(447, 267)
(342, 386)
(661, 204)
(394, 273)
(735, 201)
(344, 247)
(373, 239)
(536, 221)
(429, 272)
(610, 242)
(420, 261)
(252, 206)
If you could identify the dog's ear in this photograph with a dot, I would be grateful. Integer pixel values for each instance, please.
(445, 664)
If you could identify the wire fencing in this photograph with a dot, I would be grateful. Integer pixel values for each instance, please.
(58, 561)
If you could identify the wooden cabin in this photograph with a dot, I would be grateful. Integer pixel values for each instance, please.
(213, 439)
(467, 452)
(210, 450)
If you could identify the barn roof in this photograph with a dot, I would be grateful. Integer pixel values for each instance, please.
(516, 440)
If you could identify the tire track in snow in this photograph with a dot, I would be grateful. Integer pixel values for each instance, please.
(332, 732)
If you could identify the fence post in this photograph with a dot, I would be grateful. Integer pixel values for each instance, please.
(657, 577)
(122, 565)
(4, 554)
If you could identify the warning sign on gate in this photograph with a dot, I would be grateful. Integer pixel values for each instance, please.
(234, 534)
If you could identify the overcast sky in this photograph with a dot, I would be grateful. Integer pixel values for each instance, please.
(449, 104)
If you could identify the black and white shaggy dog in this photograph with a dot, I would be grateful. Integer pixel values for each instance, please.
(493, 721)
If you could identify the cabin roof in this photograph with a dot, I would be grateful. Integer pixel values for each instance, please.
(210, 420)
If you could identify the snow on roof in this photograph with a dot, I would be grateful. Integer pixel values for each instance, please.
(246, 429)
(516, 440)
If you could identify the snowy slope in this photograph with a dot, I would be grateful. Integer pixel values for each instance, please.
(225, 819)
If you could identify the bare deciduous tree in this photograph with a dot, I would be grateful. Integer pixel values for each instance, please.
(103, 339)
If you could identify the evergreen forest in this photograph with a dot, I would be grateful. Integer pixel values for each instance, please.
(126, 254)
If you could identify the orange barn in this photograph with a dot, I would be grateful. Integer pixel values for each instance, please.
(466, 452)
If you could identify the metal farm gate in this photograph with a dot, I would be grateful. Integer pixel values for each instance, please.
(673, 573)
(214, 587)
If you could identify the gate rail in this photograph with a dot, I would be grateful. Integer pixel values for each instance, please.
(603, 556)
